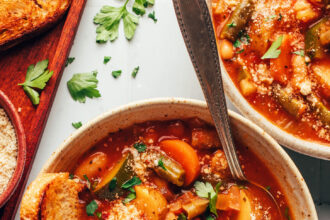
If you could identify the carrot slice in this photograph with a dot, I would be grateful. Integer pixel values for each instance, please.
(229, 201)
(184, 154)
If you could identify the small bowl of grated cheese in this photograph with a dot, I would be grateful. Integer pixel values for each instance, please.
(12, 148)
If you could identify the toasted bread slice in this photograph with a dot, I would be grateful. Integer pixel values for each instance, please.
(21, 19)
(52, 196)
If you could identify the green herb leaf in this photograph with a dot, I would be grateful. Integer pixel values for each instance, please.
(69, 60)
(237, 43)
(91, 208)
(300, 53)
(113, 184)
(140, 147)
(36, 78)
(213, 199)
(71, 176)
(108, 20)
(135, 71)
(273, 52)
(210, 217)
(132, 182)
(129, 198)
(116, 73)
(161, 164)
(139, 7)
(106, 59)
(240, 51)
(153, 16)
(232, 24)
(98, 215)
(77, 125)
(182, 217)
(83, 85)
(204, 189)
(267, 187)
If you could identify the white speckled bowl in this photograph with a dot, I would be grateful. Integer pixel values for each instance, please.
(266, 148)
(295, 143)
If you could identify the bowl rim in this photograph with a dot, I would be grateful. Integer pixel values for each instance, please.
(13, 116)
(192, 102)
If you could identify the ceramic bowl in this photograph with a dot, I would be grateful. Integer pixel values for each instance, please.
(10, 109)
(295, 143)
(265, 147)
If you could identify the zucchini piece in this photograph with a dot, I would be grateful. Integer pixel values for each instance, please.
(313, 46)
(293, 106)
(110, 185)
(173, 171)
(320, 108)
(237, 20)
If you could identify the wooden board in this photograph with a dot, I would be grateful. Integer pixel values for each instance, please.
(55, 45)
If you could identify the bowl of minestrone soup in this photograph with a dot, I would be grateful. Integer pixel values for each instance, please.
(275, 59)
(162, 159)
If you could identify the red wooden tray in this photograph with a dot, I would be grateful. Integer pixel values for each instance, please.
(54, 45)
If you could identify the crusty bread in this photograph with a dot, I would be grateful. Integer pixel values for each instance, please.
(21, 19)
(52, 196)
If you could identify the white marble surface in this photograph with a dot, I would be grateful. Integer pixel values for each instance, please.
(165, 71)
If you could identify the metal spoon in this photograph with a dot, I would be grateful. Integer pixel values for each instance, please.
(197, 30)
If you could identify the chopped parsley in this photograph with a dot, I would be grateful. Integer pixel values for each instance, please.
(210, 217)
(129, 197)
(132, 182)
(36, 78)
(116, 73)
(77, 125)
(135, 71)
(205, 190)
(91, 208)
(182, 217)
(240, 51)
(140, 147)
(237, 43)
(108, 20)
(69, 60)
(273, 52)
(300, 53)
(83, 85)
(106, 59)
(161, 164)
(232, 24)
(86, 178)
(153, 16)
(113, 184)
(98, 215)
(71, 176)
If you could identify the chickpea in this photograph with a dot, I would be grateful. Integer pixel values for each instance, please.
(92, 166)
(226, 50)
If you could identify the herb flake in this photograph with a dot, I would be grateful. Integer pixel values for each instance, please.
(69, 60)
(273, 52)
(232, 24)
(135, 71)
(132, 182)
(76, 125)
(182, 217)
(140, 147)
(153, 16)
(91, 208)
(116, 73)
(161, 164)
(106, 59)
(299, 52)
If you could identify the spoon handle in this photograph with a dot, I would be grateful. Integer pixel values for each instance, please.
(197, 30)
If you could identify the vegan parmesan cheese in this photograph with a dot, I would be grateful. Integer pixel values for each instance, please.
(8, 150)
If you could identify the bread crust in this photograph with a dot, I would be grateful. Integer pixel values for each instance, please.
(22, 19)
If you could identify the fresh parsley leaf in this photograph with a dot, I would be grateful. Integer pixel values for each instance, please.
(129, 198)
(213, 200)
(300, 53)
(182, 217)
(36, 78)
(273, 52)
(161, 164)
(140, 147)
(116, 73)
(240, 51)
(232, 24)
(153, 16)
(204, 189)
(83, 85)
(237, 43)
(77, 125)
(210, 217)
(106, 59)
(88, 182)
(131, 189)
(135, 71)
(98, 215)
(91, 208)
(108, 20)
(113, 184)
(71, 176)
(139, 7)
(69, 60)
(267, 187)
(132, 182)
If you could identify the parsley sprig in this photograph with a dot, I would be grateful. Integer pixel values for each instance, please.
(108, 20)
(36, 78)
(273, 52)
(206, 190)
